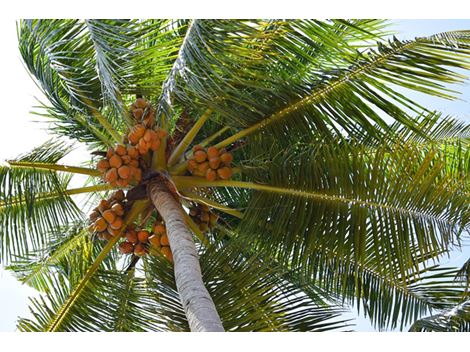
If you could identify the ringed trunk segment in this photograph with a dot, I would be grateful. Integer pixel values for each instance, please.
(197, 303)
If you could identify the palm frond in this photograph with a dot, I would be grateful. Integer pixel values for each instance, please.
(112, 301)
(397, 205)
(36, 269)
(113, 42)
(464, 273)
(456, 319)
(223, 64)
(25, 216)
(249, 295)
(342, 100)
(60, 55)
(388, 301)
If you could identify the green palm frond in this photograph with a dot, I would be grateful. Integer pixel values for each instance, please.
(112, 301)
(246, 300)
(464, 273)
(36, 269)
(447, 134)
(81, 275)
(223, 63)
(395, 205)
(26, 215)
(113, 42)
(389, 302)
(249, 295)
(60, 55)
(342, 100)
(434, 128)
(456, 319)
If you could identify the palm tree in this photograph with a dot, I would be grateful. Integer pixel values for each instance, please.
(342, 192)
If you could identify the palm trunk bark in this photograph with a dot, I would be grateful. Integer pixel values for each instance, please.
(197, 303)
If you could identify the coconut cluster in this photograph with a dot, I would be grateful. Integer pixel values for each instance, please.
(121, 166)
(159, 240)
(107, 218)
(203, 217)
(136, 241)
(143, 112)
(212, 163)
(145, 138)
(140, 241)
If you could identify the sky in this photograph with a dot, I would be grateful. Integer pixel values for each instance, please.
(26, 134)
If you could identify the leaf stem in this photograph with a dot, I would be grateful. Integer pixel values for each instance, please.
(69, 192)
(195, 229)
(54, 167)
(159, 156)
(180, 168)
(188, 182)
(103, 121)
(131, 216)
(213, 204)
(189, 137)
(314, 96)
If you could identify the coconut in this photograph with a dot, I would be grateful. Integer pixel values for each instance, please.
(214, 163)
(140, 103)
(224, 172)
(95, 214)
(120, 150)
(102, 165)
(100, 224)
(131, 236)
(117, 224)
(118, 209)
(143, 236)
(119, 195)
(132, 151)
(137, 113)
(226, 158)
(164, 240)
(139, 250)
(126, 247)
(111, 175)
(109, 216)
(124, 172)
(212, 152)
(115, 161)
(166, 251)
(159, 229)
(155, 240)
(197, 147)
(211, 175)
(113, 232)
(200, 156)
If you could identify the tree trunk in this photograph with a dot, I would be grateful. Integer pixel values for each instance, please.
(197, 303)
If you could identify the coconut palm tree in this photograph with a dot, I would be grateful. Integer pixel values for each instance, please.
(293, 177)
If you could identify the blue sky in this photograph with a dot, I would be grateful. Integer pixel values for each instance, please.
(13, 296)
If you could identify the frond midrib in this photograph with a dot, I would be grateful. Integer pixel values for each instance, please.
(17, 201)
(58, 254)
(316, 95)
(185, 182)
(53, 167)
(55, 323)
